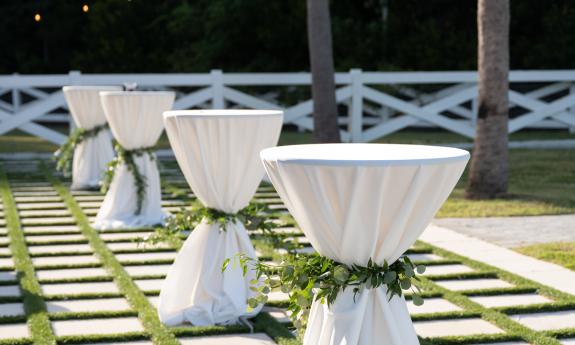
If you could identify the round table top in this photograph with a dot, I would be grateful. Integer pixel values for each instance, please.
(363, 154)
(135, 93)
(92, 87)
(222, 113)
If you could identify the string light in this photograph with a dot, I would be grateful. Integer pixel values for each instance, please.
(37, 17)
(85, 8)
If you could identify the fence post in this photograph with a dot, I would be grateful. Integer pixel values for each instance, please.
(16, 99)
(218, 101)
(474, 111)
(572, 109)
(355, 124)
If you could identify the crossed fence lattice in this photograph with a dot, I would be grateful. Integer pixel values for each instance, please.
(372, 104)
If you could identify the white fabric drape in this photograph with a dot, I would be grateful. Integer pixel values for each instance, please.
(360, 201)
(218, 154)
(135, 119)
(93, 154)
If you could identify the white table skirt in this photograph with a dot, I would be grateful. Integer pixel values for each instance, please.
(135, 119)
(360, 201)
(218, 154)
(91, 156)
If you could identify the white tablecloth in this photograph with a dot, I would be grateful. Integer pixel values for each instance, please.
(92, 155)
(361, 201)
(218, 154)
(135, 118)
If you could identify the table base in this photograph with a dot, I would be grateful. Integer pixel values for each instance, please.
(196, 290)
(91, 158)
(118, 210)
(370, 320)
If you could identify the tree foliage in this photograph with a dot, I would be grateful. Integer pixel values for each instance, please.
(260, 35)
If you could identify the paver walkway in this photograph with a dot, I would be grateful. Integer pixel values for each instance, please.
(515, 231)
(101, 287)
(545, 273)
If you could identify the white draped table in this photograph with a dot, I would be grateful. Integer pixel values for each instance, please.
(92, 155)
(217, 151)
(360, 201)
(135, 118)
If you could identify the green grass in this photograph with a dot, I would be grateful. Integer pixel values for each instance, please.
(18, 141)
(424, 137)
(159, 333)
(540, 182)
(34, 304)
(514, 331)
(148, 316)
(264, 323)
(498, 316)
(560, 253)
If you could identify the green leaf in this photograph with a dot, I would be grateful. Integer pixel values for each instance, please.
(225, 264)
(405, 284)
(389, 277)
(417, 300)
(421, 269)
(253, 302)
(303, 301)
(340, 274)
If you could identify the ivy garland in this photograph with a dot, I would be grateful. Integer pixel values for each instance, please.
(254, 217)
(65, 154)
(308, 278)
(128, 157)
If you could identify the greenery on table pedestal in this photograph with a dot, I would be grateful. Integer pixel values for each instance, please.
(308, 278)
(127, 157)
(65, 153)
(255, 216)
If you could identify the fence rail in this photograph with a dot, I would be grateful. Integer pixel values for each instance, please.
(372, 104)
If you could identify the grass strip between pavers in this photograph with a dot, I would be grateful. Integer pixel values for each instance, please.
(34, 304)
(159, 333)
(513, 329)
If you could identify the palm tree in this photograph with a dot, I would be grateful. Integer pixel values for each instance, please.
(489, 164)
(323, 84)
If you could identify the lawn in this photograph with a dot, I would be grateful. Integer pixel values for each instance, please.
(541, 181)
(560, 253)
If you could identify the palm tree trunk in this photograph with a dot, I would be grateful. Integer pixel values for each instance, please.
(489, 164)
(325, 124)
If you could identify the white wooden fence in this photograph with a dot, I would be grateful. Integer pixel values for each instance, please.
(372, 104)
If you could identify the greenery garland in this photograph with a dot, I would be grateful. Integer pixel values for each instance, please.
(254, 217)
(128, 157)
(65, 154)
(306, 278)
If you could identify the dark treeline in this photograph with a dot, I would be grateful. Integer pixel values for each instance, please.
(269, 35)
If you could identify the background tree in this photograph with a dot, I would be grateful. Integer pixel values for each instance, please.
(119, 36)
(326, 129)
(488, 173)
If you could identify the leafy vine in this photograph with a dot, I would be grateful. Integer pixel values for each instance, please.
(65, 154)
(254, 217)
(308, 278)
(127, 157)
